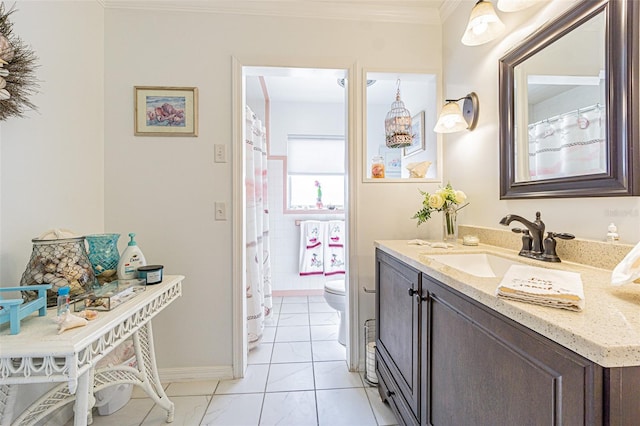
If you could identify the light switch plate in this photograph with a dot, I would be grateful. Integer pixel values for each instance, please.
(220, 153)
(221, 210)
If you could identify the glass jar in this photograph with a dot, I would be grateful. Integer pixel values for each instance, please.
(377, 167)
(450, 224)
(104, 256)
(59, 262)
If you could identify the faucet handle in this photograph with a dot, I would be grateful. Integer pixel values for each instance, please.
(526, 241)
(550, 254)
(563, 235)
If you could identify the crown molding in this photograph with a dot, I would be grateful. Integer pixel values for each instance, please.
(447, 7)
(412, 12)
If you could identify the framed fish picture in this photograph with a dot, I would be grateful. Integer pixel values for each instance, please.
(165, 111)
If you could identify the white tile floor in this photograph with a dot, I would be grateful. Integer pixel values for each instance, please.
(298, 376)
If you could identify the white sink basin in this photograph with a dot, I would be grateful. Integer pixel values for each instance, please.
(477, 264)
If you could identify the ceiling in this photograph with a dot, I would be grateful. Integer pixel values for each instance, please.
(295, 84)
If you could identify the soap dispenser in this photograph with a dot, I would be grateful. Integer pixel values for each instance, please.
(130, 260)
(612, 235)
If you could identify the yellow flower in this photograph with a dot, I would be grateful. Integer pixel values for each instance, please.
(460, 197)
(436, 201)
(441, 200)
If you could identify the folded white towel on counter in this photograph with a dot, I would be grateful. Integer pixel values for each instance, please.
(628, 270)
(541, 286)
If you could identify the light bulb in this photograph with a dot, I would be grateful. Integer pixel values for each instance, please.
(484, 25)
(479, 27)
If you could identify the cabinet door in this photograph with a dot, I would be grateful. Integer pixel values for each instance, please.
(485, 369)
(397, 336)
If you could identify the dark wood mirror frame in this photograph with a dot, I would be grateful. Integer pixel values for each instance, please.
(622, 96)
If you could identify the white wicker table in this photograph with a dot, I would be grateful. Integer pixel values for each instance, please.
(39, 355)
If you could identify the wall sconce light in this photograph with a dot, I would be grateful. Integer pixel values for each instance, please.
(516, 5)
(452, 119)
(484, 25)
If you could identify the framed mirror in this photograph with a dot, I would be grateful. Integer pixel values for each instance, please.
(420, 160)
(569, 106)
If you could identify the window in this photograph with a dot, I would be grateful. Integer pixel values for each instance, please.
(315, 163)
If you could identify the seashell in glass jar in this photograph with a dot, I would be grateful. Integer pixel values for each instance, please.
(61, 262)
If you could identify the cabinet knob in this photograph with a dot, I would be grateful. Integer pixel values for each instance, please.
(390, 394)
(412, 292)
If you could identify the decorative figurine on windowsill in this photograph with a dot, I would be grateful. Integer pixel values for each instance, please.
(319, 197)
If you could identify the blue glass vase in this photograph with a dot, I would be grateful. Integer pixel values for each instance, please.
(104, 256)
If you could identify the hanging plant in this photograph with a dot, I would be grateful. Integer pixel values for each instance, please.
(17, 71)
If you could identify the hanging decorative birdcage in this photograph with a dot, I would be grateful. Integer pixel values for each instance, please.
(397, 125)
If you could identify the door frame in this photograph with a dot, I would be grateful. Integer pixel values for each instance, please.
(238, 264)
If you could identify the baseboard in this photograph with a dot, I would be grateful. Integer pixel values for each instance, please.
(190, 374)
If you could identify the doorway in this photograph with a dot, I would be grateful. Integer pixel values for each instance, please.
(297, 107)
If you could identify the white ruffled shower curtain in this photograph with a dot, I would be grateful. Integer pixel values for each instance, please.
(258, 273)
(572, 144)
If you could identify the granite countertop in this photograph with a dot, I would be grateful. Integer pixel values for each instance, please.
(606, 332)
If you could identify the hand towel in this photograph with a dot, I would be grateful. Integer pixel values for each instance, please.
(541, 286)
(628, 270)
(335, 233)
(334, 262)
(312, 234)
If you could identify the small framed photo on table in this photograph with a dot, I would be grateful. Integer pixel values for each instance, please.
(165, 111)
(417, 129)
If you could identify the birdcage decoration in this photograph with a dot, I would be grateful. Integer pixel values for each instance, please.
(397, 125)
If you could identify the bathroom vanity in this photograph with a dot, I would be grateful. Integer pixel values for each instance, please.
(449, 352)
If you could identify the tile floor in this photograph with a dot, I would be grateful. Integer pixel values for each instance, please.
(298, 376)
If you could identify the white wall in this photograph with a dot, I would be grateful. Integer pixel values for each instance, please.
(472, 158)
(164, 188)
(52, 160)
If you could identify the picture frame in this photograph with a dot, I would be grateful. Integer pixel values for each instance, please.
(165, 111)
(417, 129)
(392, 161)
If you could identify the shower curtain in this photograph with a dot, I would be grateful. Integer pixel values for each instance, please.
(572, 144)
(258, 273)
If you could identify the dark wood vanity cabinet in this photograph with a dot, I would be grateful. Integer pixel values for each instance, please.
(398, 342)
(484, 369)
(445, 359)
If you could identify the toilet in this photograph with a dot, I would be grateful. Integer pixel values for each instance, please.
(334, 294)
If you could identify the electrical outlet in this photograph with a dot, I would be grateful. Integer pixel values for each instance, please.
(221, 210)
(220, 153)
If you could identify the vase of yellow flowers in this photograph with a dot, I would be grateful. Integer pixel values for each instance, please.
(448, 201)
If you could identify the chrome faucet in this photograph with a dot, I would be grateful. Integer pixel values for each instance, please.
(536, 230)
(533, 245)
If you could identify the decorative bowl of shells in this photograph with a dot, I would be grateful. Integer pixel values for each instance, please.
(59, 262)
